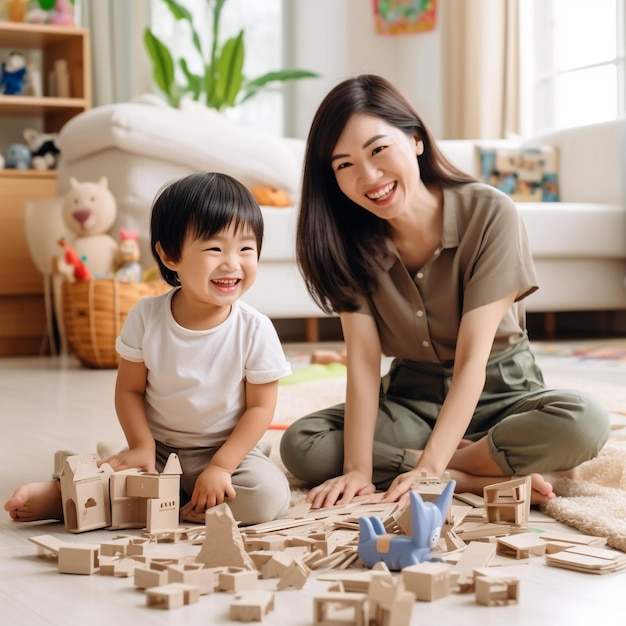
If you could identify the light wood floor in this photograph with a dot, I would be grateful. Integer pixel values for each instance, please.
(48, 404)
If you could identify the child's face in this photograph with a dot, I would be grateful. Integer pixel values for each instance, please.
(219, 270)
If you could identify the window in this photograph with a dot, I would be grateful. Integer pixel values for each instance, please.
(573, 70)
(262, 22)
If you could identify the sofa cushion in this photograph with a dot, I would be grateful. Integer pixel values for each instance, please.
(571, 230)
(208, 141)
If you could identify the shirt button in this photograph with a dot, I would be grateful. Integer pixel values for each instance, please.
(420, 314)
(420, 275)
(425, 344)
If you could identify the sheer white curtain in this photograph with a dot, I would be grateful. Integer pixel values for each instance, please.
(480, 62)
(119, 64)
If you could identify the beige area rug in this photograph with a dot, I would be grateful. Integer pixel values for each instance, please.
(592, 500)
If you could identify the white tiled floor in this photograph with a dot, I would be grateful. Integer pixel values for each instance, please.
(46, 404)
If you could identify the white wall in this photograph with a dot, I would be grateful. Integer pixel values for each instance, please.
(336, 38)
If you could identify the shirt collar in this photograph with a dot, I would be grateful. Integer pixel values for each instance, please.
(450, 235)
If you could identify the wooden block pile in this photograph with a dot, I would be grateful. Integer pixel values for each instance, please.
(479, 535)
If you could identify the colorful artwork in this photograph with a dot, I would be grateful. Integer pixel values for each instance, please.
(403, 17)
(525, 174)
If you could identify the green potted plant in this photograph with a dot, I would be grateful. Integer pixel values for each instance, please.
(223, 83)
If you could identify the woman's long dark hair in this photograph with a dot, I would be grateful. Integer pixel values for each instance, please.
(339, 244)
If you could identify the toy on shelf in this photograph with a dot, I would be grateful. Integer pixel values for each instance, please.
(129, 269)
(72, 259)
(43, 149)
(398, 552)
(63, 13)
(271, 196)
(89, 210)
(17, 157)
(13, 74)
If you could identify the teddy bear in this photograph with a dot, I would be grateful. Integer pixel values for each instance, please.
(89, 210)
(13, 74)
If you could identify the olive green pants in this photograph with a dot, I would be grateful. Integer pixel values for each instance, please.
(529, 428)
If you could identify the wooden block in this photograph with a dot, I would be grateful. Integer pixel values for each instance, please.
(326, 607)
(47, 545)
(146, 578)
(428, 581)
(497, 591)
(237, 579)
(79, 559)
(521, 546)
(588, 559)
(251, 606)
(204, 578)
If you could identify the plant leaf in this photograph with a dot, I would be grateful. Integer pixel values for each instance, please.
(254, 86)
(178, 10)
(182, 13)
(281, 75)
(162, 63)
(229, 72)
(194, 82)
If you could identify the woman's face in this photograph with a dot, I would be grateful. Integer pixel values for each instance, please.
(375, 165)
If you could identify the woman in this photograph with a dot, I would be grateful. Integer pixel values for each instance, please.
(427, 265)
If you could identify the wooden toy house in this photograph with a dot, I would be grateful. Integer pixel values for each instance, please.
(85, 493)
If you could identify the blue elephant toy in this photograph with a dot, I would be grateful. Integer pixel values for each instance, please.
(400, 551)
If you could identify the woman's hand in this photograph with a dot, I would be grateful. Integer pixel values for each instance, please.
(400, 487)
(136, 458)
(214, 486)
(340, 490)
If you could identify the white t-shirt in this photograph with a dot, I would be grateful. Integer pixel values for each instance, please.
(195, 390)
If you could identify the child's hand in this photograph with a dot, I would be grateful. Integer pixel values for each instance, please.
(141, 458)
(212, 487)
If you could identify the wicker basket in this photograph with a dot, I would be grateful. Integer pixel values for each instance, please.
(94, 312)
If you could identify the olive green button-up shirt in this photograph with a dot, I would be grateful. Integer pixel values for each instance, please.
(484, 256)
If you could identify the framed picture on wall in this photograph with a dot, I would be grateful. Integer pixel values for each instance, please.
(404, 17)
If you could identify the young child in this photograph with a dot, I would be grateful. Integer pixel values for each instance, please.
(199, 369)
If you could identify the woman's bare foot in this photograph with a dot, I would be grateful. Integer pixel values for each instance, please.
(36, 501)
(541, 489)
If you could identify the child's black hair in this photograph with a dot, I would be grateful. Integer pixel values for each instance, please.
(200, 205)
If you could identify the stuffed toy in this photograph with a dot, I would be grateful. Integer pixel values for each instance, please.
(89, 210)
(271, 196)
(13, 74)
(43, 149)
(17, 157)
(71, 258)
(129, 268)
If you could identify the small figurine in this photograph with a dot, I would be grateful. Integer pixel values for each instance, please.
(13, 74)
(18, 157)
(129, 268)
(71, 258)
(400, 551)
(43, 148)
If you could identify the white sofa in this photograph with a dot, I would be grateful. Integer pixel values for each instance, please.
(579, 243)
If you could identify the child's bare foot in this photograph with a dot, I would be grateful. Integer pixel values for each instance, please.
(36, 501)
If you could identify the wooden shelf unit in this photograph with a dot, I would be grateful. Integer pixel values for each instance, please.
(22, 312)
